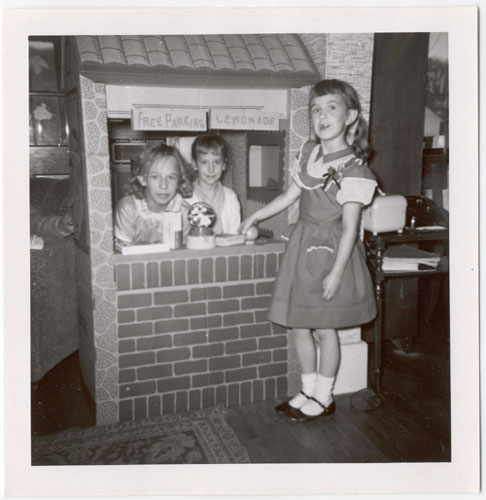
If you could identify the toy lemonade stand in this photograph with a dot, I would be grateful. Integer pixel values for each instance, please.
(186, 329)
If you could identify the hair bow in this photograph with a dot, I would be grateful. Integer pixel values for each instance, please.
(331, 175)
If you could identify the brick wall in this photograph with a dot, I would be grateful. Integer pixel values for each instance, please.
(192, 331)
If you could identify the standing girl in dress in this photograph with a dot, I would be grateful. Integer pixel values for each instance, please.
(323, 282)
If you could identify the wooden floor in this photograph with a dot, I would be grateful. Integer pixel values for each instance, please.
(412, 424)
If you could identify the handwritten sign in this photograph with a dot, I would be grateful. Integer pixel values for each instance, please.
(147, 118)
(243, 119)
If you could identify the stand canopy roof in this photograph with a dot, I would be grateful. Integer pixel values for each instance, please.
(266, 60)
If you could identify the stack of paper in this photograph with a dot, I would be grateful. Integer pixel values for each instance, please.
(145, 248)
(408, 258)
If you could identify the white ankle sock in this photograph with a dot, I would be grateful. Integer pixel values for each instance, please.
(308, 383)
(322, 392)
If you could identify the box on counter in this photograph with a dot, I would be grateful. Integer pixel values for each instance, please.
(228, 240)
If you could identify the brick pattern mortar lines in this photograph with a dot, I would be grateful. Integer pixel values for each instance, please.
(188, 342)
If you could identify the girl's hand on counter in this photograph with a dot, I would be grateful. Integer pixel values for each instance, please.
(245, 225)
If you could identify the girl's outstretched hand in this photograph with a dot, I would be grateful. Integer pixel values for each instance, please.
(245, 225)
(330, 286)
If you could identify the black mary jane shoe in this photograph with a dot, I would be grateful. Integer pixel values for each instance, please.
(287, 409)
(299, 416)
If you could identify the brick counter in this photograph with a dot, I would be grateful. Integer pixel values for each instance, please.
(192, 330)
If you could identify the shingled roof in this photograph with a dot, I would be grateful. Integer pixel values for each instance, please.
(277, 59)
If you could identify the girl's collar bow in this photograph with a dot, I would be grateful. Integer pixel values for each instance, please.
(331, 175)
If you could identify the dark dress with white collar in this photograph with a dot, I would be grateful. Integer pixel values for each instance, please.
(327, 183)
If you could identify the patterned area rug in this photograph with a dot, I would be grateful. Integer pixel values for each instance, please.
(199, 437)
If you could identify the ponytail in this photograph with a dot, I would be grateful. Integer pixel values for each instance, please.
(358, 138)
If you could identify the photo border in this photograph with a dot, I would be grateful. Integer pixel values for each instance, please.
(461, 475)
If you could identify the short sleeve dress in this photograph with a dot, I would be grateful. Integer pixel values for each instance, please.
(327, 183)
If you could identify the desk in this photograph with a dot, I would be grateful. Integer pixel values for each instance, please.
(375, 248)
